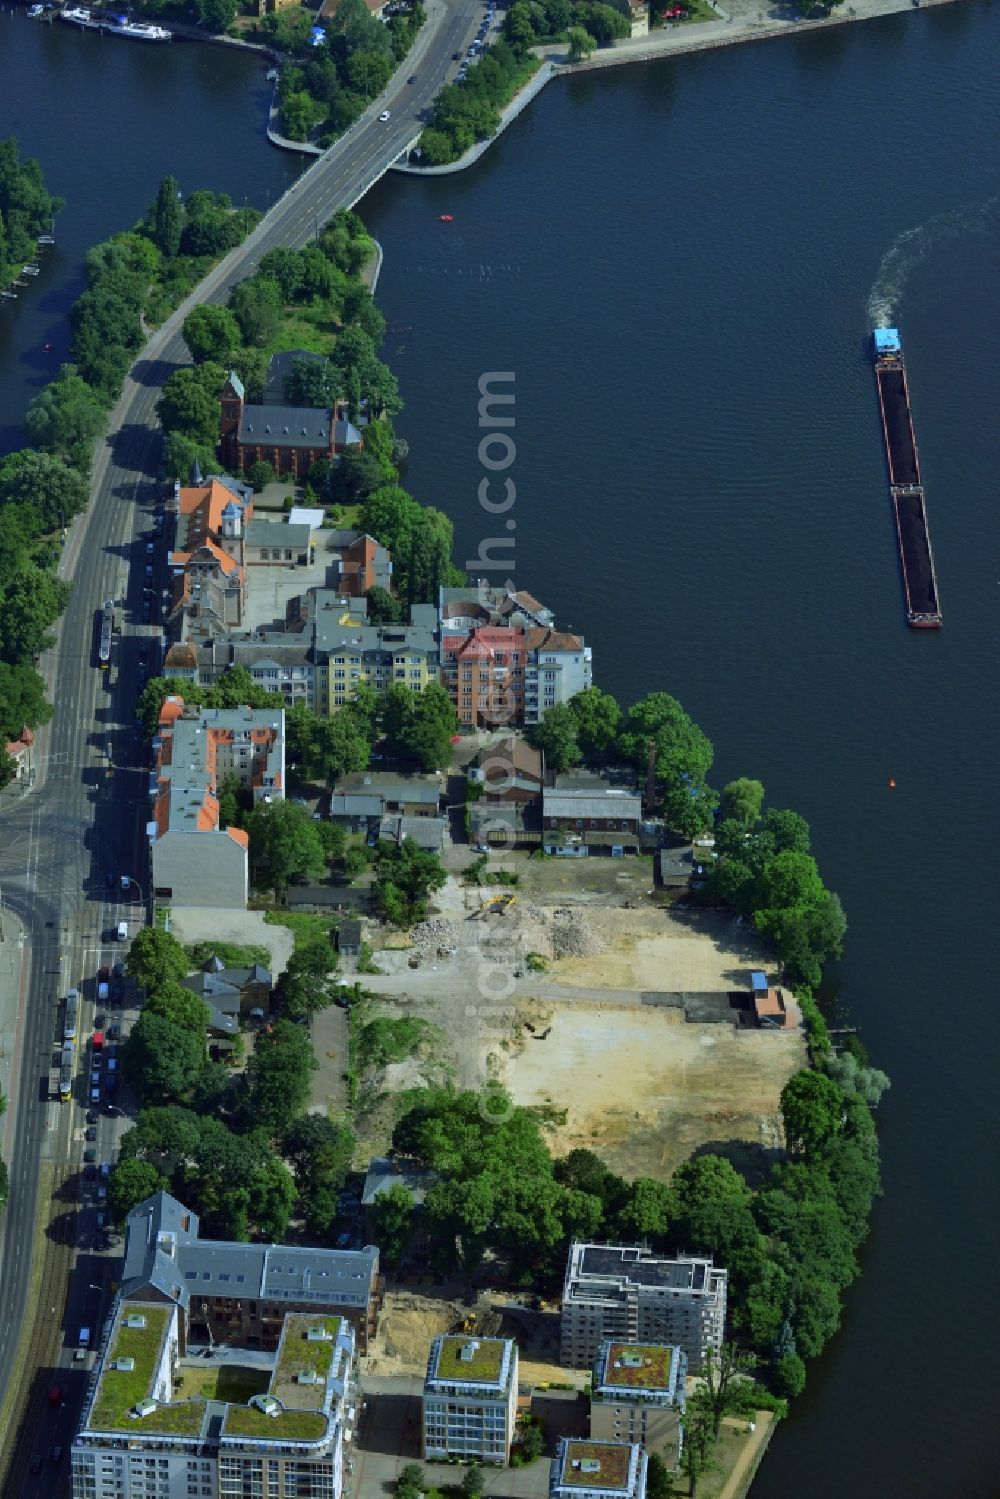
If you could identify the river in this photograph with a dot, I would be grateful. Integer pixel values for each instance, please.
(676, 261)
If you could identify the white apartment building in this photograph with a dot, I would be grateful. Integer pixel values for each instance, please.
(598, 1470)
(152, 1428)
(624, 1293)
(470, 1399)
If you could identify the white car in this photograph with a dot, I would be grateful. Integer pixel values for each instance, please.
(384, 115)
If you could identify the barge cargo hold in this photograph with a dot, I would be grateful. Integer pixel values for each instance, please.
(923, 610)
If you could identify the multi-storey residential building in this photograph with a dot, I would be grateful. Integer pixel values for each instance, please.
(324, 649)
(624, 1293)
(598, 1470)
(195, 861)
(151, 1428)
(381, 656)
(470, 1399)
(207, 560)
(241, 1293)
(483, 674)
(556, 665)
(638, 1395)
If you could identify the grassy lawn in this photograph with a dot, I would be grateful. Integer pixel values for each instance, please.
(305, 926)
(231, 953)
(345, 517)
(304, 328)
(227, 1382)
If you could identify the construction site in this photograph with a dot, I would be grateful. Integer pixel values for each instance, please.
(628, 1023)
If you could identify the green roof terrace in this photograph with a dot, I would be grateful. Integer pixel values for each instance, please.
(596, 1465)
(139, 1348)
(286, 1426)
(469, 1360)
(636, 1366)
(304, 1360)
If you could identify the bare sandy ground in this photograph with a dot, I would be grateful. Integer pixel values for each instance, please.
(644, 1089)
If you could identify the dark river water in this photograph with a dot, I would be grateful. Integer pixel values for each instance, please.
(677, 263)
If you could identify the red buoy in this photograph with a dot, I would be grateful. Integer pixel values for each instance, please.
(892, 783)
(447, 218)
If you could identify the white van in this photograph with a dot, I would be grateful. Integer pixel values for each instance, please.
(123, 931)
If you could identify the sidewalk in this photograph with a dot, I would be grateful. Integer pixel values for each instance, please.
(13, 994)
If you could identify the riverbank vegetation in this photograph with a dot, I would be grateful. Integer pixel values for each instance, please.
(133, 280)
(27, 210)
(323, 89)
(467, 112)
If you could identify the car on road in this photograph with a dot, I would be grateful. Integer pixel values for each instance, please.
(456, 56)
(98, 1021)
(412, 78)
(92, 1116)
(90, 1133)
(90, 1173)
(114, 1031)
(146, 612)
(118, 971)
(150, 548)
(55, 1395)
(117, 992)
(480, 848)
(95, 1095)
(36, 1464)
(384, 115)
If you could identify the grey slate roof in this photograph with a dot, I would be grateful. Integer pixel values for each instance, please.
(267, 533)
(161, 1251)
(279, 367)
(591, 803)
(389, 1171)
(285, 426)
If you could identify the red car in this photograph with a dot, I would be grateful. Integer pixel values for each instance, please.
(55, 1395)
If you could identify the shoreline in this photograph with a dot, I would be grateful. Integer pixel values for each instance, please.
(702, 36)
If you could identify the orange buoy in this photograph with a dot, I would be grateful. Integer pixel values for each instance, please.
(892, 783)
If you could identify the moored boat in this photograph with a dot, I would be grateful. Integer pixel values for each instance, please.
(139, 31)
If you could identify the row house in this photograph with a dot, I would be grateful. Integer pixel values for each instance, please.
(194, 860)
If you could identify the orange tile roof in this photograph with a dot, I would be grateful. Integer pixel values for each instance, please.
(171, 710)
(239, 836)
(208, 814)
(553, 640)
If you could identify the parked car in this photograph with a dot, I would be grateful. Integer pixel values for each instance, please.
(95, 1095)
(90, 1173)
(412, 78)
(92, 1118)
(36, 1464)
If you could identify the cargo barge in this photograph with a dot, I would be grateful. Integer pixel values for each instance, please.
(923, 610)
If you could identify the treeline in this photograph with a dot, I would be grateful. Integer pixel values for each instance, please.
(214, 15)
(326, 88)
(470, 111)
(238, 1147)
(130, 278)
(528, 22)
(27, 210)
(319, 284)
(762, 867)
(790, 1247)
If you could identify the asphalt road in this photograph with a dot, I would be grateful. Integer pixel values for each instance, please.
(84, 818)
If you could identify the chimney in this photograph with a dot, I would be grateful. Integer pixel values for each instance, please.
(651, 778)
